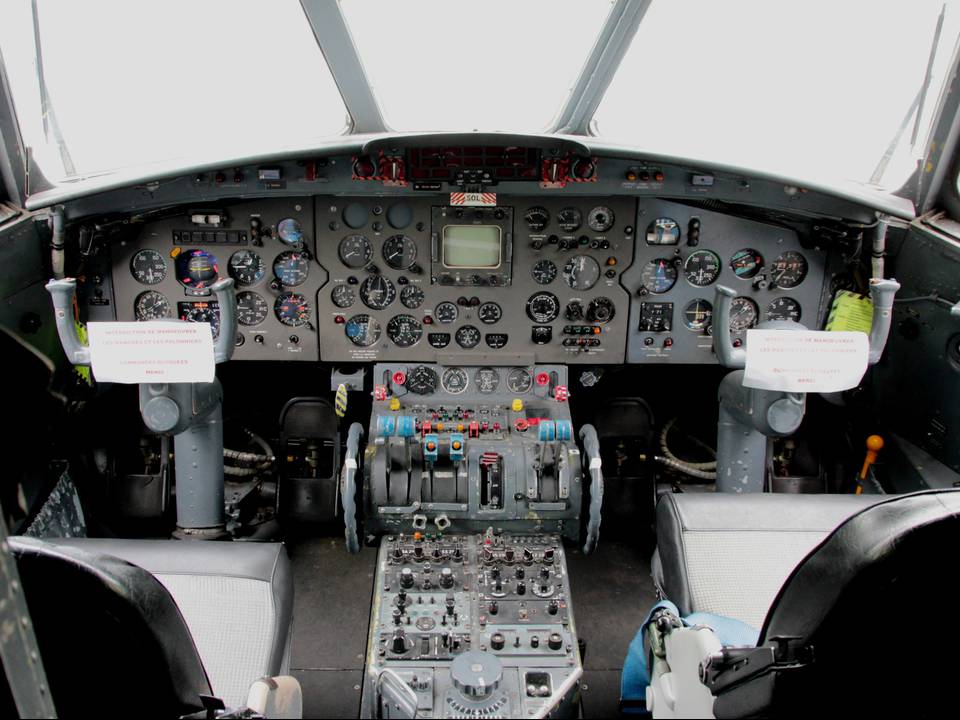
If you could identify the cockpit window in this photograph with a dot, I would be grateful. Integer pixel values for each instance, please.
(495, 65)
(818, 89)
(141, 82)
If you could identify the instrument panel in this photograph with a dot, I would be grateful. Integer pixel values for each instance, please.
(541, 279)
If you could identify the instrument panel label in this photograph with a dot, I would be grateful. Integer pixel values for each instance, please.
(473, 199)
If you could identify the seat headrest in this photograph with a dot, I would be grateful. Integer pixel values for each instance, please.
(110, 636)
(863, 618)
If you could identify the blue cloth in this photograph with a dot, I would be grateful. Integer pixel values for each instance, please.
(636, 673)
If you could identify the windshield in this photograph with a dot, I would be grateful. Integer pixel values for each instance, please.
(821, 89)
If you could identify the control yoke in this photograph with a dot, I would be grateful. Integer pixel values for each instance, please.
(191, 412)
(750, 416)
(882, 292)
(64, 291)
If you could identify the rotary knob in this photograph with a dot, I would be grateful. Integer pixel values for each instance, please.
(446, 578)
(476, 674)
(406, 578)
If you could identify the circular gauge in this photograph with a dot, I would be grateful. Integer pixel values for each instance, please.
(488, 380)
(581, 272)
(537, 218)
(289, 231)
(543, 307)
(148, 267)
(746, 263)
(151, 305)
(697, 315)
(201, 313)
(362, 330)
(600, 219)
(292, 267)
(702, 268)
(246, 267)
(659, 275)
(355, 251)
(467, 337)
(454, 380)
(422, 380)
(343, 296)
(292, 309)
(355, 215)
(783, 308)
(446, 312)
(743, 314)
(399, 215)
(788, 270)
(251, 308)
(519, 381)
(399, 251)
(544, 271)
(663, 231)
(600, 310)
(569, 219)
(196, 269)
(377, 292)
(412, 296)
(489, 313)
(404, 330)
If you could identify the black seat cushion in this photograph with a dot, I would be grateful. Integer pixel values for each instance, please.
(110, 635)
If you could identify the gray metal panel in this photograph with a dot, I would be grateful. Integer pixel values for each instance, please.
(723, 235)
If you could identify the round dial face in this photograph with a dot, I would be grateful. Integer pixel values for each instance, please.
(292, 267)
(663, 231)
(343, 296)
(467, 337)
(422, 381)
(399, 251)
(202, 313)
(197, 269)
(702, 268)
(246, 267)
(355, 251)
(743, 314)
(446, 312)
(600, 310)
(488, 380)
(151, 305)
(519, 380)
(746, 263)
(148, 267)
(454, 380)
(569, 219)
(289, 231)
(404, 330)
(251, 308)
(659, 275)
(292, 309)
(412, 296)
(581, 272)
(544, 271)
(788, 270)
(489, 313)
(783, 308)
(536, 218)
(697, 315)
(543, 307)
(600, 219)
(377, 292)
(362, 330)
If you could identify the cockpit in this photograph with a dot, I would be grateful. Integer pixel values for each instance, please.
(511, 360)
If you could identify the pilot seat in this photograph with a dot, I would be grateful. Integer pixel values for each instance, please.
(793, 604)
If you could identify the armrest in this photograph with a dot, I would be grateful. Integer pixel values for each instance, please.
(276, 697)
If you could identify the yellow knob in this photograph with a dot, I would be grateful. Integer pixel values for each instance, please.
(459, 427)
(394, 403)
(517, 405)
(439, 427)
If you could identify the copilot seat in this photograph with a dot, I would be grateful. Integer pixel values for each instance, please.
(787, 604)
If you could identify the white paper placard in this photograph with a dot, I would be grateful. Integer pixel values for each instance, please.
(158, 351)
(805, 360)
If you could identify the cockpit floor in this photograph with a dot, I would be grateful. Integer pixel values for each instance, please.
(612, 591)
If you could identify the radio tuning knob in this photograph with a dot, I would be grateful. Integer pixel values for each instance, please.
(399, 642)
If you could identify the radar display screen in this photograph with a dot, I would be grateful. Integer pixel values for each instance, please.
(471, 246)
